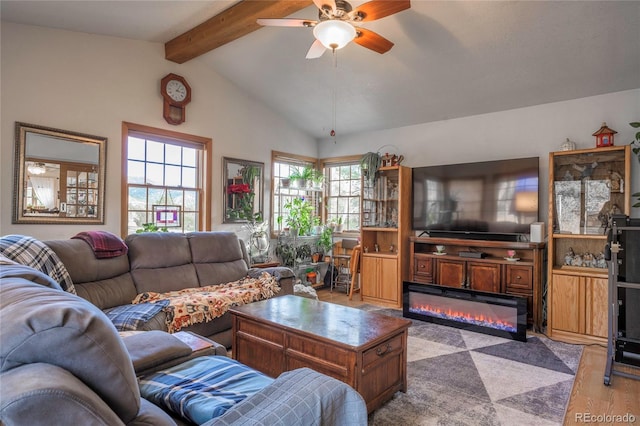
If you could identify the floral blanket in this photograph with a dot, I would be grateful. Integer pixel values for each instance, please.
(201, 304)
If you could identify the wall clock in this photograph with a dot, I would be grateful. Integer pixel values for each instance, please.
(176, 94)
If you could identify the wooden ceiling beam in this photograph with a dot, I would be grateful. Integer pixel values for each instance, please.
(231, 24)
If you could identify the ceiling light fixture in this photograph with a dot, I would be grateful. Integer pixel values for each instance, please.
(37, 168)
(334, 34)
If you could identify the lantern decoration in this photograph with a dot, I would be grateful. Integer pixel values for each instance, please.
(604, 136)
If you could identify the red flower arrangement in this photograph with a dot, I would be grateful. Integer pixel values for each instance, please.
(240, 188)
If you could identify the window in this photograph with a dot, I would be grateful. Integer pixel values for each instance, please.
(283, 192)
(166, 180)
(343, 189)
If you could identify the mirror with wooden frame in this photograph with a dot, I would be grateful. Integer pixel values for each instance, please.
(243, 190)
(59, 176)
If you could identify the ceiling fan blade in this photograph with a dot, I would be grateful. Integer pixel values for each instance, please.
(323, 4)
(316, 50)
(371, 40)
(285, 22)
(377, 9)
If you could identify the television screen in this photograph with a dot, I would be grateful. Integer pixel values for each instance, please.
(480, 200)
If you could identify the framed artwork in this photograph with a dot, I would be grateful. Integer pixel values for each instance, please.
(166, 216)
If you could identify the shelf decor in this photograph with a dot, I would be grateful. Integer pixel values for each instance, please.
(604, 136)
(567, 195)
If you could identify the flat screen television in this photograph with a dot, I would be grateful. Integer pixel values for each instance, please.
(490, 200)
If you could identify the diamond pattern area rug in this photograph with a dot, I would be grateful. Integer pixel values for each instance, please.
(458, 377)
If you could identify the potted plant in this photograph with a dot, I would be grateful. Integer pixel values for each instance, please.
(305, 175)
(370, 163)
(287, 253)
(300, 216)
(325, 242)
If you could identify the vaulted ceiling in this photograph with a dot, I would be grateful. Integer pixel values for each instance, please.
(450, 59)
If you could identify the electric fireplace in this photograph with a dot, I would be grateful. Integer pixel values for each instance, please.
(503, 315)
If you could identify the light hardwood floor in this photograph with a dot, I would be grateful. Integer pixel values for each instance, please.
(589, 397)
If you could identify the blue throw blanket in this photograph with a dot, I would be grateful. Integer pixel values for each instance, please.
(202, 388)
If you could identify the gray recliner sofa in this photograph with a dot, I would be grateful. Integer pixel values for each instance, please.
(162, 262)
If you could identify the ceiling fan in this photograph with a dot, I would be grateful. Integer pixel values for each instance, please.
(336, 24)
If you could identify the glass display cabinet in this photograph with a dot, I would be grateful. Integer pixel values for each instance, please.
(585, 188)
(386, 224)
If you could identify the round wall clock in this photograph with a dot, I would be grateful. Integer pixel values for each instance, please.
(176, 94)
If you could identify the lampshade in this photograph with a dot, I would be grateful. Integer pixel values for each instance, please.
(334, 34)
(36, 168)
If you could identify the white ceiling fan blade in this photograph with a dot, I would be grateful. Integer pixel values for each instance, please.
(285, 22)
(316, 50)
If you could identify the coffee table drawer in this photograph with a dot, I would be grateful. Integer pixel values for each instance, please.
(383, 350)
(260, 331)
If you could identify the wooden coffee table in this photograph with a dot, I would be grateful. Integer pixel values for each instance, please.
(366, 350)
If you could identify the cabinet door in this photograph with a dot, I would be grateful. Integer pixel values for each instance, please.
(450, 272)
(370, 282)
(483, 276)
(596, 312)
(567, 303)
(388, 280)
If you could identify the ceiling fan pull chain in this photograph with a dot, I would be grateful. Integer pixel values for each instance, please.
(335, 89)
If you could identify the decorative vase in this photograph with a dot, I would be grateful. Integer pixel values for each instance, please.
(568, 145)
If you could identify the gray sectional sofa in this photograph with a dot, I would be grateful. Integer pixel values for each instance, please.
(63, 363)
(162, 262)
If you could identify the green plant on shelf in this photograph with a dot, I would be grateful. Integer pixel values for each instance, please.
(305, 175)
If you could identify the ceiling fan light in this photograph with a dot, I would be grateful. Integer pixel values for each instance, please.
(334, 34)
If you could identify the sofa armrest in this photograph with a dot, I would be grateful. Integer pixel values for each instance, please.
(151, 351)
(45, 394)
(284, 276)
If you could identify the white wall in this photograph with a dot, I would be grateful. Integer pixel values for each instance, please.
(524, 132)
(91, 84)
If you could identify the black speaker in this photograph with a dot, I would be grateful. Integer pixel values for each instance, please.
(629, 256)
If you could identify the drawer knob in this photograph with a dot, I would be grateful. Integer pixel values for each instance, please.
(422, 266)
(381, 352)
(518, 277)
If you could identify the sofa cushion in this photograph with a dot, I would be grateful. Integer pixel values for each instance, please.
(161, 262)
(44, 325)
(217, 256)
(104, 282)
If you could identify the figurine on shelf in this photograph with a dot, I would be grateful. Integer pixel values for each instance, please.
(568, 257)
(600, 261)
(587, 260)
(617, 183)
(577, 260)
(608, 209)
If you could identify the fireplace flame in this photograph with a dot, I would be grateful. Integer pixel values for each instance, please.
(462, 316)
